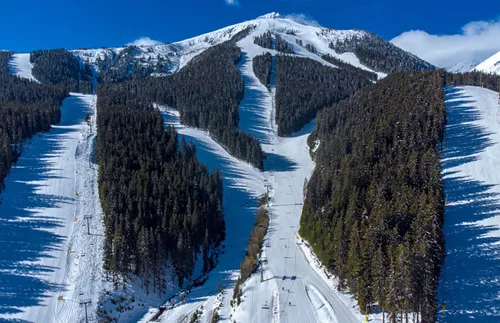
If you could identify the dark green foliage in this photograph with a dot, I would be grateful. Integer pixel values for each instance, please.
(380, 55)
(59, 66)
(265, 40)
(281, 45)
(374, 205)
(352, 69)
(304, 86)
(489, 81)
(26, 108)
(4, 62)
(255, 241)
(159, 202)
(207, 93)
(278, 43)
(262, 67)
(311, 48)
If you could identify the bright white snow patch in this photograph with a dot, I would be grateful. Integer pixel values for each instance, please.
(470, 278)
(491, 65)
(19, 64)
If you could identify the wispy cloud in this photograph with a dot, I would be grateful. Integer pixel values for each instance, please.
(304, 19)
(232, 2)
(144, 41)
(477, 41)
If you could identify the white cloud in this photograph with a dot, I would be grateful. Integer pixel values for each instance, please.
(477, 41)
(301, 18)
(232, 2)
(144, 41)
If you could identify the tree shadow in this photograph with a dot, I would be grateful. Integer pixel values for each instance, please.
(470, 276)
(27, 223)
(279, 163)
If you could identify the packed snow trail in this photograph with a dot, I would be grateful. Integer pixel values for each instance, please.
(20, 65)
(46, 251)
(470, 278)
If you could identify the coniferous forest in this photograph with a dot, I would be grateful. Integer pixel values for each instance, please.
(59, 66)
(207, 93)
(380, 55)
(26, 108)
(262, 68)
(4, 62)
(374, 205)
(160, 203)
(304, 86)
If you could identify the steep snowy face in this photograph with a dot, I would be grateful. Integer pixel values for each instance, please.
(358, 48)
(464, 66)
(491, 65)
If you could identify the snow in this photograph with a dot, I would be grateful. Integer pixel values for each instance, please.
(490, 65)
(306, 294)
(38, 211)
(463, 66)
(19, 64)
(470, 279)
(181, 52)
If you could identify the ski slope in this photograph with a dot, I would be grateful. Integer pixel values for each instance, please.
(46, 251)
(292, 289)
(19, 64)
(470, 279)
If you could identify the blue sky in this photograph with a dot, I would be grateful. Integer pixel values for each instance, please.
(34, 24)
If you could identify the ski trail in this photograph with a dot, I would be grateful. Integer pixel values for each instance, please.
(470, 277)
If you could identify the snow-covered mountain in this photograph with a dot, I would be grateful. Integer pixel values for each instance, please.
(490, 65)
(463, 66)
(168, 58)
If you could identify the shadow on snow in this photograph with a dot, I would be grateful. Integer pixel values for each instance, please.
(25, 233)
(469, 281)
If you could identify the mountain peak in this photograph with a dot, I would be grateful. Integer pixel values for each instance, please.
(271, 15)
(490, 65)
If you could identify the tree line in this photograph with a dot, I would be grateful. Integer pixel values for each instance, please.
(4, 62)
(374, 205)
(26, 108)
(160, 203)
(348, 67)
(379, 54)
(273, 41)
(59, 66)
(262, 68)
(304, 86)
(207, 93)
(474, 78)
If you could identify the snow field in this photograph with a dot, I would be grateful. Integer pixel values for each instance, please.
(48, 192)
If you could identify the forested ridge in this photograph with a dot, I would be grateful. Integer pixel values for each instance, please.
(160, 203)
(26, 108)
(207, 93)
(374, 205)
(380, 55)
(59, 66)
(304, 86)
